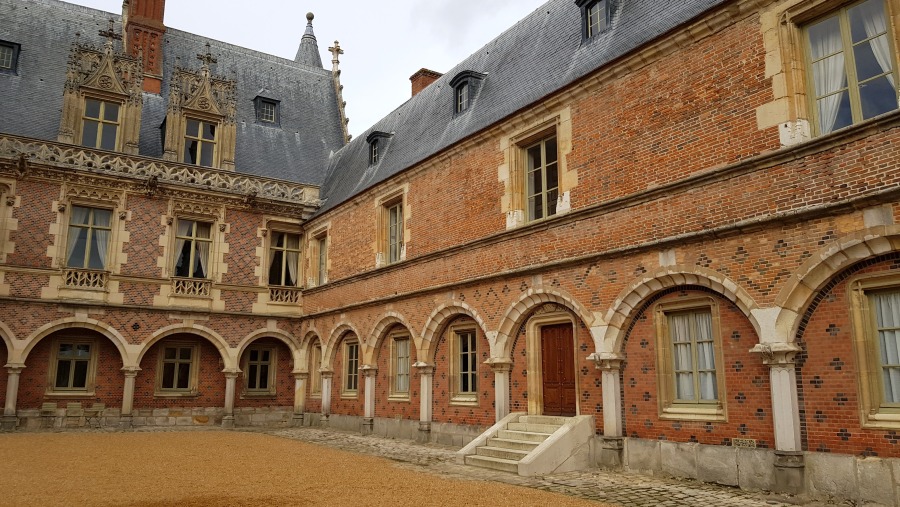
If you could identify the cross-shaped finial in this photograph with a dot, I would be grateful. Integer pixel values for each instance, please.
(336, 53)
(110, 33)
(207, 59)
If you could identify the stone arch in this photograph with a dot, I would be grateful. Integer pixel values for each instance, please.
(631, 298)
(125, 349)
(8, 338)
(329, 349)
(379, 332)
(277, 334)
(818, 270)
(215, 338)
(441, 315)
(519, 311)
(309, 339)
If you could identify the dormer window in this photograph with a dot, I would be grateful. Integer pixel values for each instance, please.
(465, 87)
(9, 55)
(594, 16)
(377, 146)
(266, 110)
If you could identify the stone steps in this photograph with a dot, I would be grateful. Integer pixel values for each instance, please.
(510, 445)
(500, 452)
(502, 465)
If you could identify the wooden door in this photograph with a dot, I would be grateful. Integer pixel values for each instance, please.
(558, 369)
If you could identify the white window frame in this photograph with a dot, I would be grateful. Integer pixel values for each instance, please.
(350, 369)
(457, 334)
(401, 342)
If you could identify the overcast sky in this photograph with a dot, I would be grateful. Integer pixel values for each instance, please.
(384, 43)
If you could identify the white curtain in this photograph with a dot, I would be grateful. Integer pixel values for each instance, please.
(79, 216)
(706, 359)
(887, 316)
(293, 257)
(680, 328)
(874, 23)
(183, 229)
(203, 257)
(101, 243)
(829, 73)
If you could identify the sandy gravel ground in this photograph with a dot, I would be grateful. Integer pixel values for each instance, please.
(226, 468)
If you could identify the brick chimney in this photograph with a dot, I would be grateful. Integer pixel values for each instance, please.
(144, 30)
(422, 79)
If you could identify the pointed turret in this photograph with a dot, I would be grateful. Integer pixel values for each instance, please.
(308, 53)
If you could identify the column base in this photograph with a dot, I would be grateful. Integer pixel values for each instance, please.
(323, 422)
(297, 421)
(611, 450)
(9, 423)
(789, 472)
(368, 423)
(228, 421)
(126, 422)
(423, 436)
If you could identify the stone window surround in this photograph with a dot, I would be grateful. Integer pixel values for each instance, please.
(271, 390)
(314, 276)
(872, 414)
(8, 201)
(393, 394)
(284, 227)
(349, 341)
(315, 373)
(783, 28)
(535, 374)
(668, 408)
(453, 333)
(382, 217)
(193, 390)
(90, 383)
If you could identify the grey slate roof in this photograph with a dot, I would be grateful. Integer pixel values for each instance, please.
(297, 150)
(540, 54)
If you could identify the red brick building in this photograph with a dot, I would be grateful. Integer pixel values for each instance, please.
(674, 225)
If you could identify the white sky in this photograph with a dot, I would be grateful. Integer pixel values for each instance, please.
(384, 42)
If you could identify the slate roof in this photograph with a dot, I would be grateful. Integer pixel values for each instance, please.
(540, 54)
(297, 150)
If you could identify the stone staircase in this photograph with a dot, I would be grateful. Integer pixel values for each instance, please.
(521, 438)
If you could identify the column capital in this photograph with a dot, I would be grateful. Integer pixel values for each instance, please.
(15, 368)
(777, 354)
(606, 361)
(301, 375)
(499, 364)
(424, 368)
(131, 371)
(231, 374)
(368, 370)
(326, 374)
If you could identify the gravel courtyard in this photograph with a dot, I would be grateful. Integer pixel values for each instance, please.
(227, 468)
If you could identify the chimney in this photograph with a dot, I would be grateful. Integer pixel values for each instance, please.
(144, 31)
(421, 79)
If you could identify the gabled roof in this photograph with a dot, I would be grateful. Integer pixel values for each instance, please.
(539, 55)
(297, 151)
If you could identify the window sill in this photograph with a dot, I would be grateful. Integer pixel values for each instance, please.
(401, 398)
(258, 396)
(315, 396)
(350, 395)
(690, 413)
(464, 401)
(882, 421)
(186, 394)
(69, 394)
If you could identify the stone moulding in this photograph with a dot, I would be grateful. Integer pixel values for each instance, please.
(143, 168)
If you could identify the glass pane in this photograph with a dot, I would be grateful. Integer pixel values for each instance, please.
(182, 262)
(184, 375)
(108, 141)
(80, 216)
(77, 247)
(829, 75)
(535, 182)
(868, 64)
(251, 375)
(89, 133)
(82, 350)
(534, 157)
(203, 230)
(684, 386)
(535, 208)
(551, 150)
(275, 271)
(65, 349)
(264, 355)
(842, 115)
(552, 196)
(79, 379)
(552, 176)
(193, 128)
(867, 20)
(190, 152)
(825, 38)
(168, 377)
(92, 108)
(877, 97)
(206, 154)
(263, 376)
(209, 131)
(184, 353)
(63, 369)
(111, 112)
(170, 353)
(254, 355)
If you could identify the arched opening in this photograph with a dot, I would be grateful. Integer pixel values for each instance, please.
(463, 390)
(396, 381)
(347, 394)
(265, 387)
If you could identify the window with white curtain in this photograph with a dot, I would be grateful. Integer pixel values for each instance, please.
(193, 241)
(400, 366)
(88, 238)
(885, 309)
(851, 65)
(284, 259)
(693, 356)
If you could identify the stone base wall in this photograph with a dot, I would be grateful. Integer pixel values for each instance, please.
(271, 417)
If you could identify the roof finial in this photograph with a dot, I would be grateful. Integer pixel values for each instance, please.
(336, 53)
(110, 34)
(207, 59)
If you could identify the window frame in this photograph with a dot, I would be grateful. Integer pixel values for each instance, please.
(395, 392)
(185, 139)
(270, 390)
(284, 265)
(874, 412)
(457, 395)
(193, 374)
(541, 140)
(350, 375)
(318, 258)
(260, 103)
(315, 374)
(90, 373)
(852, 86)
(103, 100)
(176, 254)
(391, 218)
(463, 100)
(66, 254)
(670, 407)
(586, 7)
(15, 49)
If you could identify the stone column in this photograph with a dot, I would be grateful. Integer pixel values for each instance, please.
(426, 397)
(611, 444)
(326, 396)
(127, 413)
(9, 420)
(300, 380)
(789, 465)
(368, 372)
(230, 387)
(501, 367)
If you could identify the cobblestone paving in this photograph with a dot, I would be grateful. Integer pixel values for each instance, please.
(628, 490)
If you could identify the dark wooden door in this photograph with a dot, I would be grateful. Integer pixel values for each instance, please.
(558, 367)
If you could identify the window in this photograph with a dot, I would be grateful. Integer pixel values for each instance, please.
(74, 366)
(177, 368)
(100, 124)
(266, 110)
(9, 56)
(542, 178)
(259, 370)
(689, 359)
(200, 142)
(315, 376)
(394, 235)
(876, 312)
(284, 259)
(373, 152)
(88, 238)
(594, 16)
(851, 66)
(400, 366)
(462, 97)
(465, 87)
(464, 366)
(192, 244)
(322, 259)
(378, 142)
(351, 369)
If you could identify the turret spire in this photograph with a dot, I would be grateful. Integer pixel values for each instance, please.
(308, 52)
